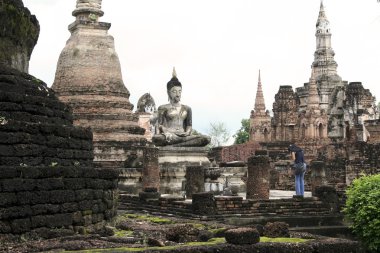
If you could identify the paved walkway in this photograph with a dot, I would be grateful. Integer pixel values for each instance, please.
(277, 194)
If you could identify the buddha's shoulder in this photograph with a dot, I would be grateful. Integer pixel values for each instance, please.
(163, 107)
(186, 107)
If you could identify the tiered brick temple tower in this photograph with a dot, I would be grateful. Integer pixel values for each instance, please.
(313, 122)
(260, 122)
(89, 79)
(324, 65)
(325, 108)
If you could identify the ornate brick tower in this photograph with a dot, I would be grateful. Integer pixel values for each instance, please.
(260, 122)
(313, 122)
(89, 79)
(324, 65)
(285, 115)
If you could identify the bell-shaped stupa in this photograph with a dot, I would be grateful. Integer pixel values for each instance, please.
(89, 79)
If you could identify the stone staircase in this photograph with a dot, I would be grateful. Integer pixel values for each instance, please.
(297, 212)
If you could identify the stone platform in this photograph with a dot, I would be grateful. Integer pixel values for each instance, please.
(173, 162)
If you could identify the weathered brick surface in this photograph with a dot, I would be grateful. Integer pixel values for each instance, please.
(47, 179)
(194, 180)
(258, 177)
(237, 152)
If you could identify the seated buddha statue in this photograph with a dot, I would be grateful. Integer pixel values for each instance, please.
(174, 126)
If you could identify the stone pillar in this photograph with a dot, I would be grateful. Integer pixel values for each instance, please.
(195, 180)
(258, 177)
(151, 174)
(318, 175)
(204, 203)
(328, 195)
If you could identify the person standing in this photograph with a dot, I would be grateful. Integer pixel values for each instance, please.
(299, 168)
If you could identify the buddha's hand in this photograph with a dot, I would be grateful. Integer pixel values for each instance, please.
(184, 134)
(168, 137)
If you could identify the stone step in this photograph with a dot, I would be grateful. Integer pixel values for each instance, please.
(338, 231)
(293, 221)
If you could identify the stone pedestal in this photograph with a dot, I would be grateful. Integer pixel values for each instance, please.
(318, 175)
(204, 203)
(130, 180)
(151, 170)
(173, 162)
(195, 180)
(258, 177)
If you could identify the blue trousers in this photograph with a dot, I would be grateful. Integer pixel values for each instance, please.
(300, 184)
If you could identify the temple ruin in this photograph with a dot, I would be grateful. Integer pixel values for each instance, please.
(88, 78)
(48, 184)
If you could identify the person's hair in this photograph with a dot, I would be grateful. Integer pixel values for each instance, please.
(173, 82)
(294, 148)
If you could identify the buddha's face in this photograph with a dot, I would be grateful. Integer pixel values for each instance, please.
(175, 94)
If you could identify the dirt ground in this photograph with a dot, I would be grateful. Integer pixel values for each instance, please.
(130, 230)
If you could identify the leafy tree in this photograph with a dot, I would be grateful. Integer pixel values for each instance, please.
(242, 135)
(363, 209)
(195, 132)
(219, 134)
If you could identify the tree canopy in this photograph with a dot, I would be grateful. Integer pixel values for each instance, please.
(242, 135)
(219, 134)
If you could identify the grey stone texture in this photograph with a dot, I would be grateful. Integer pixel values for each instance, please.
(195, 180)
(19, 31)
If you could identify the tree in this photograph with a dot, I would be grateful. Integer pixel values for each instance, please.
(242, 135)
(219, 134)
(363, 209)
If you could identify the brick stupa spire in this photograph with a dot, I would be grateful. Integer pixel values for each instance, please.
(89, 79)
(259, 102)
(259, 122)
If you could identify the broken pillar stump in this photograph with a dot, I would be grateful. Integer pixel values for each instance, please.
(258, 177)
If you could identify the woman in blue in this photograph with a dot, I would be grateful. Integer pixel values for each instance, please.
(298, 157)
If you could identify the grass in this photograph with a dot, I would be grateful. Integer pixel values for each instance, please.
(148, 218)
(123, 233)
(211, 242)
(283, 239)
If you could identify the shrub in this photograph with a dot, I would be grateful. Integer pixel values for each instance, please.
(363, 209)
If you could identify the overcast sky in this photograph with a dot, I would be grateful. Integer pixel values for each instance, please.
(218, 47)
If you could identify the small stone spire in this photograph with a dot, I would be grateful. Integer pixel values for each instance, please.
(259, 102)
(174, 74)
(323, 25)
(88, 10)
(322, 13)
(313, 100)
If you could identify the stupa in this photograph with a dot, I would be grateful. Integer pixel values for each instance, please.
(89, 79)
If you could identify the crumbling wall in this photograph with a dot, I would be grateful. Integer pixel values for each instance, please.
(46, 175)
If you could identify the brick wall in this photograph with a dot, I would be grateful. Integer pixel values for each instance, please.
(238, 152)
(47, 179)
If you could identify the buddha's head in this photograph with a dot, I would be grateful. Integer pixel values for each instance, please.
(174, 89)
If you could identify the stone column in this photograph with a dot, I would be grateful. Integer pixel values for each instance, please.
(258, 177)
(195, 180)
(204, 203)
(318, 175)
(151, 174)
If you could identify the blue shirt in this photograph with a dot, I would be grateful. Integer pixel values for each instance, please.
(299, 157)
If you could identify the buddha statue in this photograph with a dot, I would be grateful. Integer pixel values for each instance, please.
(174, 125)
